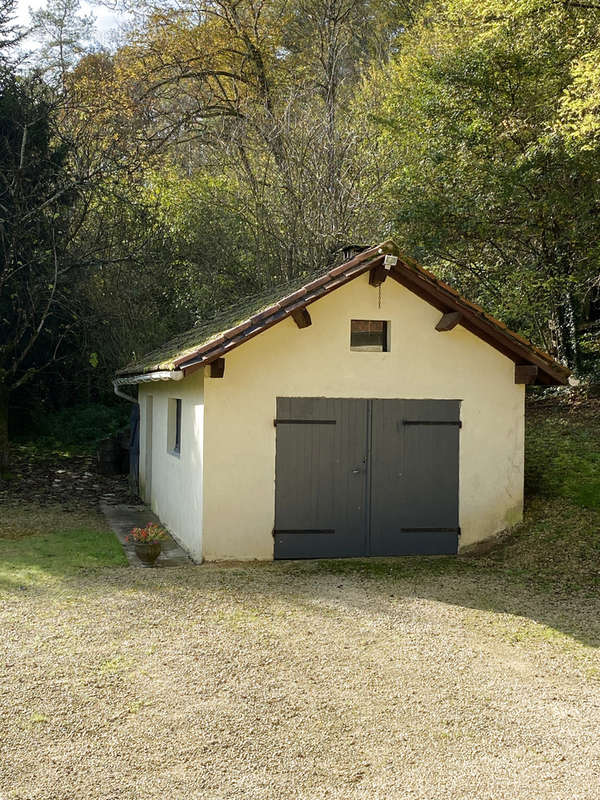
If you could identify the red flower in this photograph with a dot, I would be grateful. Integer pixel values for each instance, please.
(151, 533)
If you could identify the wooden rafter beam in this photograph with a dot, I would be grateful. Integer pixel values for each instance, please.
(217, 368)
(190, 370)
(301, 317)
(449, 321)
(526, 373)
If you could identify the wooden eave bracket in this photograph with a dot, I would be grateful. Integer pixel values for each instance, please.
(526, 373)
(379, 273)
(301, 317)
(550, 373)
(449, 321)
(217, 368)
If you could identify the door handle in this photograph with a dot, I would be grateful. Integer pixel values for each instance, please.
(361, 468)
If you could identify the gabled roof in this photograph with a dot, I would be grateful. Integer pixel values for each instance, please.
(214, 339)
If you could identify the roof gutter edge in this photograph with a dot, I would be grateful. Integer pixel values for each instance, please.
(147, 377)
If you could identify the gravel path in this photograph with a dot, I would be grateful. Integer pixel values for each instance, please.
(290, 681)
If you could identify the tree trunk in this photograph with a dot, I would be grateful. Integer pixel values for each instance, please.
(564, 332)
(3, 427)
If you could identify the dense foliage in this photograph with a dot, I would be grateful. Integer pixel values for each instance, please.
(494, 185)
(221, 146)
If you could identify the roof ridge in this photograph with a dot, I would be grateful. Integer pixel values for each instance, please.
(240, 321)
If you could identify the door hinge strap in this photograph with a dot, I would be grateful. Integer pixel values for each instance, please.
(304, 422)
(431, 530)
(303, 530)
(457, 423)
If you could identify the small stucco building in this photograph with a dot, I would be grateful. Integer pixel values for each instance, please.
(366, 410)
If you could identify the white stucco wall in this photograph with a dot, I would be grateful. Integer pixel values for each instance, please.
(239, 436)
(176, 481)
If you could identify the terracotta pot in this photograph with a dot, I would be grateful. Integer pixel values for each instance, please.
(148, 552)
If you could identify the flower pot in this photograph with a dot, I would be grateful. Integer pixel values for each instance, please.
(148, 552)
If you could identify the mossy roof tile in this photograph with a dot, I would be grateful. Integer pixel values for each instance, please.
(232, 326)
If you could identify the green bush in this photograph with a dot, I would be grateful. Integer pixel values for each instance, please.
(81, 426)
(589, 356)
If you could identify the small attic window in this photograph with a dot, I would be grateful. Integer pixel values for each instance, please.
(369, 335)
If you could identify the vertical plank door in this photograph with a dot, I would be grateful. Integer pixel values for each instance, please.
(414, 477)
(321, 478)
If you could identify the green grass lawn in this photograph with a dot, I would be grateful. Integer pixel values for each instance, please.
(562, 455)
(44, 545)
(557, 546)
(558, 543)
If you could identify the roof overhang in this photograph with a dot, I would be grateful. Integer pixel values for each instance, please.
(472, 317)
(147, 377)
(382, 260)
(331, 280)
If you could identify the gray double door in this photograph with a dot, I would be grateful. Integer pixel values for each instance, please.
(358, 477)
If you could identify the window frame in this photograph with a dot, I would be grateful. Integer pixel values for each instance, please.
(386, 336)
(174, 409)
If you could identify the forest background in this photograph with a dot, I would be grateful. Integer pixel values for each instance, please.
(217, 147)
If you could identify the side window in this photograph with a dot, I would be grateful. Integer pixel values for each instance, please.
(174, 426)
(370, 335)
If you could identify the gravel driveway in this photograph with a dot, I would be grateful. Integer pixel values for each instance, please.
(297, 681)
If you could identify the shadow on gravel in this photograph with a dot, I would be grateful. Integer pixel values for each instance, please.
(257, 590)
(480, 585)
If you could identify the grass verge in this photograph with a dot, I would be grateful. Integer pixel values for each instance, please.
(562, 454)
(557, 547)
(43, 545)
